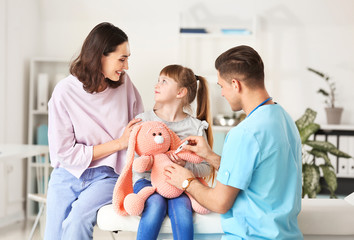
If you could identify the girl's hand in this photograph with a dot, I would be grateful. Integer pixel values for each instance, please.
(174, 158)
(124, 139)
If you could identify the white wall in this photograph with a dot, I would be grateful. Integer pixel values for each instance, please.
(3, 17)
(152, 28)
(18, 43)
(318, 34)
(292, 36)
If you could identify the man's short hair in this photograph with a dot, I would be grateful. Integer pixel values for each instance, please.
(242, 63)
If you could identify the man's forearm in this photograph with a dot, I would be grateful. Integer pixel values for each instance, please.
(217, 199)
(208, 197)
(214, 160)
(202, 194)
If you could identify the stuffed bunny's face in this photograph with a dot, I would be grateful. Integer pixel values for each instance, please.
(152, 138)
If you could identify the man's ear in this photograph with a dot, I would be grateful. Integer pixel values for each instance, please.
(236, 84)
(182, 92)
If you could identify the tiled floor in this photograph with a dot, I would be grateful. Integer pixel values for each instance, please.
(21, 231)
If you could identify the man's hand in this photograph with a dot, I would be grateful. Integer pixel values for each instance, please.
(175, 175)
(200, 146)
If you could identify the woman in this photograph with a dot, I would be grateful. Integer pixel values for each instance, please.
(90, 120)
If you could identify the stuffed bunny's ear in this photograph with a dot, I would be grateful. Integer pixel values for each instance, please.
(124, 185)
(175, 140)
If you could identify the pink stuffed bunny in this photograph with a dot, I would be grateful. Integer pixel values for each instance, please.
(150, 140)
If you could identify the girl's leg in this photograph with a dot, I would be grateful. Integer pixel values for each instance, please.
(153, 215)
(181, 215)
(96, 190)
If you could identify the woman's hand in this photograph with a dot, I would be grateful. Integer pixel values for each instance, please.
(124, 139)
(105, 149)
(174, 158)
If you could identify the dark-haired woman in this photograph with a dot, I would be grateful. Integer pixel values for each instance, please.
(90, 119)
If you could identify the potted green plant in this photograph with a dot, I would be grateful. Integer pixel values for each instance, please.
(311, 150)
(333, 113)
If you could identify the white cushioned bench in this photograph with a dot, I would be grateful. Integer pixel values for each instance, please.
(318, 219)
(205, 226)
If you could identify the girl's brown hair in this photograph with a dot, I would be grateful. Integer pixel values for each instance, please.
(101, 41)
(185, 78)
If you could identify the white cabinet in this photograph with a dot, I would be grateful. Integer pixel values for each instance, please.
(11, 202)
(12, 172)
(44, 74)
(341, 136)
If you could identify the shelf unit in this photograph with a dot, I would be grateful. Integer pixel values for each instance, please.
(198, 51)
(38, 168)
(342, 136)
(55, 69)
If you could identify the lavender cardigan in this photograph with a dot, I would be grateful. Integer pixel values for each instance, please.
(79, 120)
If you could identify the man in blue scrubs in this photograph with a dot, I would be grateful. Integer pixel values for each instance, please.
(258, 188)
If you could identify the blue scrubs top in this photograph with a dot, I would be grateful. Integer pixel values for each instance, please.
(262, 157)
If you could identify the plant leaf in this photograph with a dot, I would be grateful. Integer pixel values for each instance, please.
(317, 72)
(311, 179)
(318, 189)
(307, 131)
(327, 147)
(321, 154)
(307, 118)
(323, 92)
(338, 153)
(330, 178)
(320, 145)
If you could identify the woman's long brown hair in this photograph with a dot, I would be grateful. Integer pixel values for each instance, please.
(102, 40)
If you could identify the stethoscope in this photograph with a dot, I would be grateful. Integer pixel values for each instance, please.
(262, 103)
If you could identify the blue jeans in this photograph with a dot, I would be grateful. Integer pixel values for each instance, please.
(179, 210)
(72, 203)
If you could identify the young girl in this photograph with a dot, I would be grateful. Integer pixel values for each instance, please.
(175, 90)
